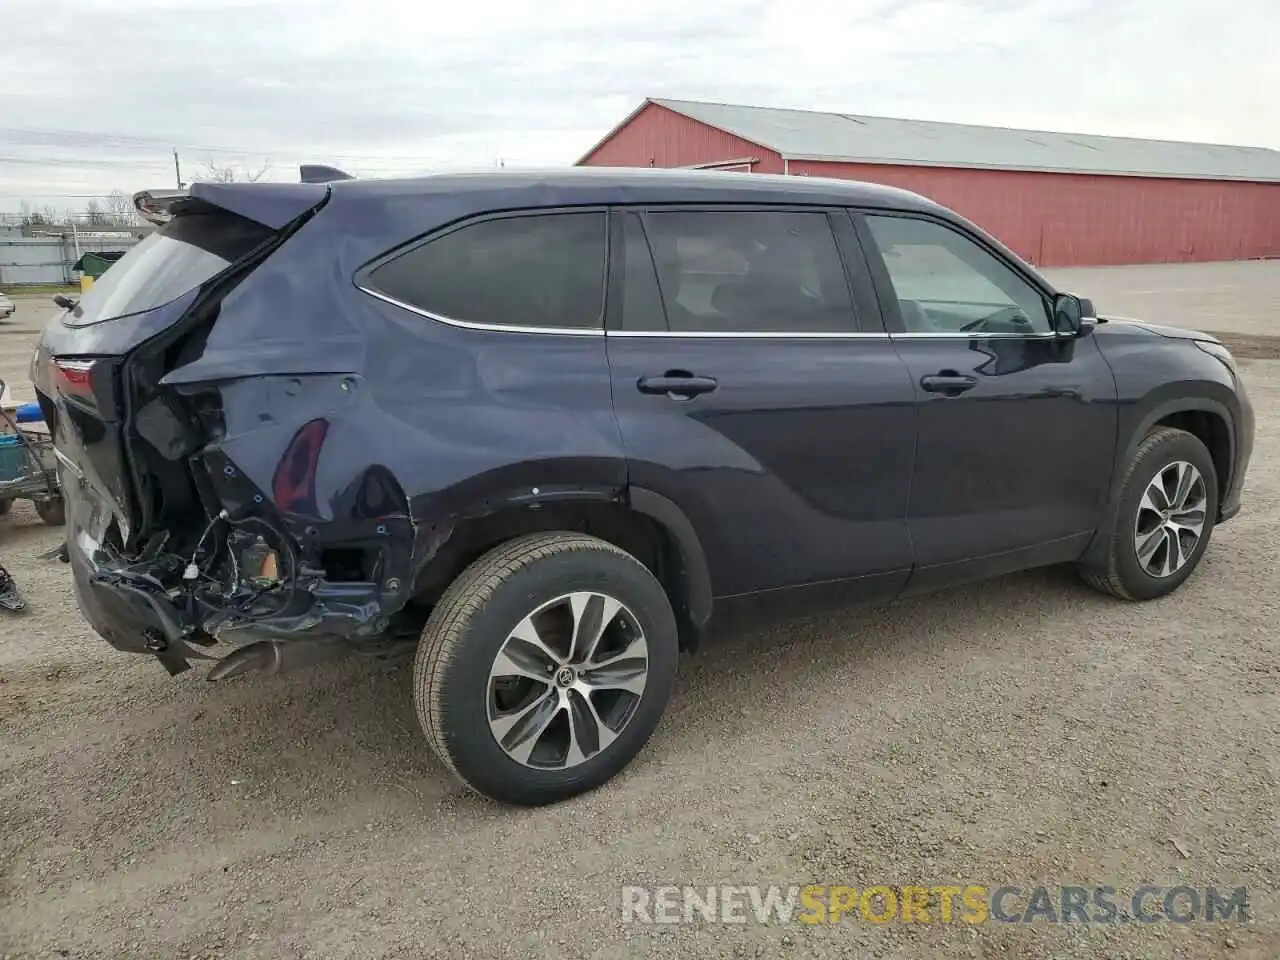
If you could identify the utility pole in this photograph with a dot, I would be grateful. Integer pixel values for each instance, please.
(177, 170)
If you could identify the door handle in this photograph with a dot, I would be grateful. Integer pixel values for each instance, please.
(948, 383)
(677, 384)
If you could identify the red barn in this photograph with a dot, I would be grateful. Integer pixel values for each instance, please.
(1059, 199)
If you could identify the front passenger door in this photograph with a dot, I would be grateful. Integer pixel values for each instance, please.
(1016, 425)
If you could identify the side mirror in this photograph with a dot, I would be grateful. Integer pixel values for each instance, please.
(1068, 315)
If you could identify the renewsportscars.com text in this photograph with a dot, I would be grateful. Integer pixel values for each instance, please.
(935, 903)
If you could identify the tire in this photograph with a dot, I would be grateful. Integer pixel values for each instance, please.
(460, 682)
(52, 511)
(5, 506)
(1122, 572)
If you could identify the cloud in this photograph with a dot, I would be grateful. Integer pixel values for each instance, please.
(385, 86)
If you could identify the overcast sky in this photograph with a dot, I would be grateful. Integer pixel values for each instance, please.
(94, 93)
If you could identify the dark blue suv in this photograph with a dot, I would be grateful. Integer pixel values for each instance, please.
(541, 425)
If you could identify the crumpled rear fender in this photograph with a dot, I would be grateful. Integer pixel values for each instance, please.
(321, 458)
(363, 425)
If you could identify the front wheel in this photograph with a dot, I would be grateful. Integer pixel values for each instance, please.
(545, 667)
(1168, 503)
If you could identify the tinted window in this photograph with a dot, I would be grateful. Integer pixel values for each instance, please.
(183, 254)
(946, 283)
(749, 271)
(535, 271)
(641, 299)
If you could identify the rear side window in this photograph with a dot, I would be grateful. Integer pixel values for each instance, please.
(745, 271)
(186, 252)
(539, 271)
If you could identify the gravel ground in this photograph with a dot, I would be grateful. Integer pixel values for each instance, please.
(1239, 297)
(1024, 731)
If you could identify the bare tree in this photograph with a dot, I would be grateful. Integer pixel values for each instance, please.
(94, 215)
(35, 218)
(230, 173)
(120, 209)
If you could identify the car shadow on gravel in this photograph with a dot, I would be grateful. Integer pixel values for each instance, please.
(786, 657)
(344, 732)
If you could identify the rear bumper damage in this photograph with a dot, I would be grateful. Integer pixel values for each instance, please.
(136, 612)
(250, 594)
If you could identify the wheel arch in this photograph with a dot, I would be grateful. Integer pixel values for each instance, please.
(1208, 419)
(691, 570)
(646, 525)
(1213, 428)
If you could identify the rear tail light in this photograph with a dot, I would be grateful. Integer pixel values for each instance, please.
(73, 378)
(74, 375)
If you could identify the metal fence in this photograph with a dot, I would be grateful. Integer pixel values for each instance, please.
(50, 260)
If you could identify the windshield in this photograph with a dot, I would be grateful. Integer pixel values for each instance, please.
(186, 252)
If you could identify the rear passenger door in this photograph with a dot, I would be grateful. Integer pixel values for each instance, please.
(748, 393)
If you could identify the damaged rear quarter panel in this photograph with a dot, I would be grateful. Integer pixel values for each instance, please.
(359, 423)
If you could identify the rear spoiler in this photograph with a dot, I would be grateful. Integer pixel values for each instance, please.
(319, 173)
(157, 206)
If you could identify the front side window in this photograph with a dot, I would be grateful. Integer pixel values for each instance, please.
(540, 271)
(739, 271)
(946, 283)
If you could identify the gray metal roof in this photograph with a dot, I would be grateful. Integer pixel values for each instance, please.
(809, 135)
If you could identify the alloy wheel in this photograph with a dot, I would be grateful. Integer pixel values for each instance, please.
(567, 680)
(1170, 521)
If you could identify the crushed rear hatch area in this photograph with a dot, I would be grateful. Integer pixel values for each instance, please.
(175, 549)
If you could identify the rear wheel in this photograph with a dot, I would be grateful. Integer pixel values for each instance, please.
(4, 506)
(52, 511)
(545, 667)
(1168, 502)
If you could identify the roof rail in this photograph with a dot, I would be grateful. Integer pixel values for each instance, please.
(319, 173)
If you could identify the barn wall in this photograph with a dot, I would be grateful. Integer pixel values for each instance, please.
(659, 137)
(1080, 220)
(1054, 220)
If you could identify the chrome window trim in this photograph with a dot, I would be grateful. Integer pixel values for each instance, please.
(493, 327)
(749, 335)
(973, 335)
(851, 335)
(706, 334)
